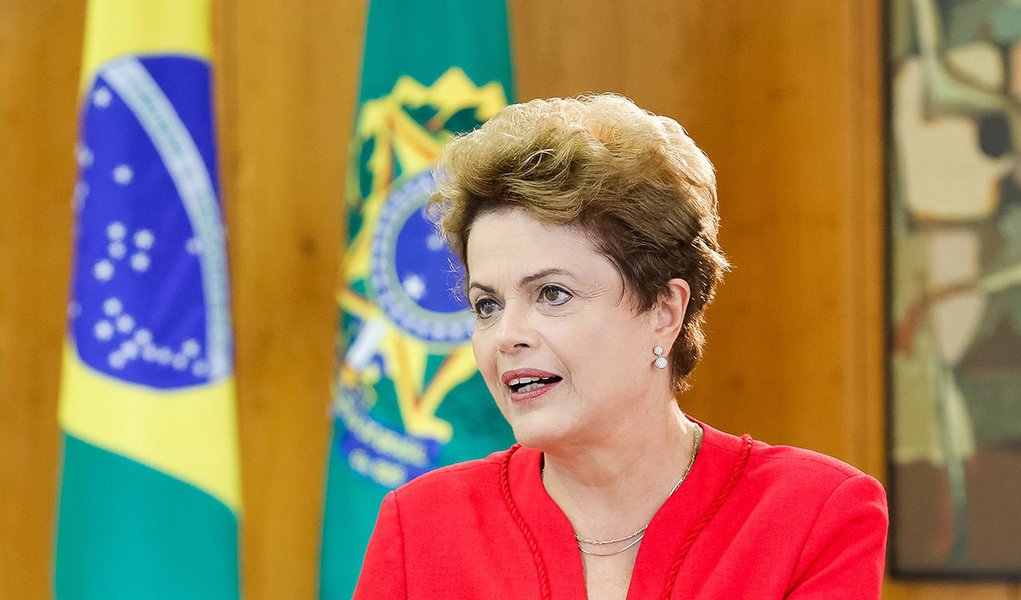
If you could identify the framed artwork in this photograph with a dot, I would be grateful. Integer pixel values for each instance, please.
(953, 80)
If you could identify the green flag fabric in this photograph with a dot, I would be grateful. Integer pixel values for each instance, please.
(407, 394)
(150, 487)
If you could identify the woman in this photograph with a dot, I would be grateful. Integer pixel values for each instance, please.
(588, 232)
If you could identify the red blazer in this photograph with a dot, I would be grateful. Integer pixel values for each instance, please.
(750, 521)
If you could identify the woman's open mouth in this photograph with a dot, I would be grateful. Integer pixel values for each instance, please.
(529, 383)
(523, 385)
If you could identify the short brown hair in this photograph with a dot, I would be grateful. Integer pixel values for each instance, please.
(634, 181)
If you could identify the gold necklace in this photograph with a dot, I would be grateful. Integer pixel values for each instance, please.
(640, 533)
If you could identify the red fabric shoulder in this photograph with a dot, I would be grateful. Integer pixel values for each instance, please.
(447, 480)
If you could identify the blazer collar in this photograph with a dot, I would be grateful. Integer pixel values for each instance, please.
(682, 515)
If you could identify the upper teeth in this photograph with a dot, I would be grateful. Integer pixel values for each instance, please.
(523, 380)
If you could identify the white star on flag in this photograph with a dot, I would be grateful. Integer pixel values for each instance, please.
(123, 174)
(84, 157)
(139, 262)
(103, 330)
(103, 270)
(116, 249)
(116, 230)
(144, 239)
(414, 285)
(102, 97)
(112, 307)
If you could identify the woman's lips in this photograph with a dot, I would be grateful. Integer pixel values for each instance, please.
(534, 393)
(526, 384)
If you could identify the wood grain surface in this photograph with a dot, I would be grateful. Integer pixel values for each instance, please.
(784, 96)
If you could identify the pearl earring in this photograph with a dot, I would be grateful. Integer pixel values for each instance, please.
(660, 361)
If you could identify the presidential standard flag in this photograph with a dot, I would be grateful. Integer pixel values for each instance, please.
(407, 395)
(149, 492)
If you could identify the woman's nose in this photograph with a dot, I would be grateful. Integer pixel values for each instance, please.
(515, 329)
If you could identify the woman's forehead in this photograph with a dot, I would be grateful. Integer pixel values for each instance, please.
(511, 236)
(517, 250)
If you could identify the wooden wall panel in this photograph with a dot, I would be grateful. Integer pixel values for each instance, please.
(40, 46)
(288, 80)
(785, 97)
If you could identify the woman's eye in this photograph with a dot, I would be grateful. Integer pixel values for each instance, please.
(484, 308)
(554, 295)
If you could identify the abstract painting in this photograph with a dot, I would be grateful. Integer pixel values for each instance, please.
(953, 77)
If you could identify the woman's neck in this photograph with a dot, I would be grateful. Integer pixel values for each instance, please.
(610, 489)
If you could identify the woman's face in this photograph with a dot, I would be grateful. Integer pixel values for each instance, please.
(556, 338)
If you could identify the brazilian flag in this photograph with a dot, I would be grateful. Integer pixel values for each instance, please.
(150, 488)
(407, 394)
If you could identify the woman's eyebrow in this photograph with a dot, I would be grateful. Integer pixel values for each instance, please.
(484, 288)
(527, 279)
(544, 273)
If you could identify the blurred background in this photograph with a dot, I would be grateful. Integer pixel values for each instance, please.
(786, 98)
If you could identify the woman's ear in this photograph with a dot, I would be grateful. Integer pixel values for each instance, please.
(670, 310)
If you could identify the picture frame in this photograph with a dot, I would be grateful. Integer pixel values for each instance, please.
(953, 170)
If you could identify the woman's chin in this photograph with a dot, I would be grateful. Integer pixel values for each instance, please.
(537, 435)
